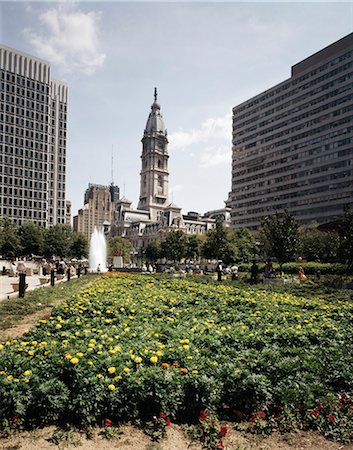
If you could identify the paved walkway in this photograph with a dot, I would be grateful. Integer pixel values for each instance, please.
(7, 290)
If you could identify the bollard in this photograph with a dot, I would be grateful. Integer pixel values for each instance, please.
(22, 285)
(68, 273)
(52, 277)
(78, 271)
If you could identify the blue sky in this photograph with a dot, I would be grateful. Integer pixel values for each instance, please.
(204, 59)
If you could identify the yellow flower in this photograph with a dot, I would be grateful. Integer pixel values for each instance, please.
(68, 356)
(27, 372)
(30, 352)
(74, 360)
(126, 370)
(154, 359)
(79, 354)
(111, 370)
(1, 346)
(26, 380)
(195, 372)
(118, 378)
(184, 371)
(138, 360)
(111, 387)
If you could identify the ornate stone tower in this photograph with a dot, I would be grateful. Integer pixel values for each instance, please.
(154, 159)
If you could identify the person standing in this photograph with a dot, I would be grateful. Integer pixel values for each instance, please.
(254, 270)
(219, 271)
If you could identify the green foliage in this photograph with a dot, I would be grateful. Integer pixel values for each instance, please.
(346, 237)
(281, 233)
(153, 251)
(78, 246)
(193, 246)
(119, 245)
(57, 241)
(315, 245)
(31, 239)
(245, 244)
(10, 245)
(129, 347)
(173, 247)
(219, 245)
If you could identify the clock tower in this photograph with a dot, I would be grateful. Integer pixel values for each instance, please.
(154, 164)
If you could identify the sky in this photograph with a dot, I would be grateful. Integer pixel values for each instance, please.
(204, 59)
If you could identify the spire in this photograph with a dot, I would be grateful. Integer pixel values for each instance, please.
(155, 122)
(155, 95)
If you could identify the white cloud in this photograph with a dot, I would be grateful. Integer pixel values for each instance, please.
(210, 144)
(69, 38)
(216, 156)
(214, 128)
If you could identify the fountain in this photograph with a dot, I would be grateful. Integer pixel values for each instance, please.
(98, 251)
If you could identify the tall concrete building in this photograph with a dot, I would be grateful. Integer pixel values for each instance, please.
(33, 117)
(293, 144)
(98, 210)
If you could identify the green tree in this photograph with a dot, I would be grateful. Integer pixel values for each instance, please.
(345, 232)
(153, 251)
(31, 238)
(57, 241)
(245, 244)
(119, 245)
(281, 233)
(318, 245)
(192, 246)
(78, 245)
(219, 245)
(174, 245)
(10, 246)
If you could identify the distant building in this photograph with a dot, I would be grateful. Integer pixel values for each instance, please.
(293, 144)
(33, 117)
(155, 215)
(98, 210)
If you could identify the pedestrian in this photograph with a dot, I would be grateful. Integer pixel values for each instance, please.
(254, 270)
(234, 271)
(219, 271)
(99, 269)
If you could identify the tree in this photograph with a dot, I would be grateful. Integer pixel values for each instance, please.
(192, 246)
(153, 251)
(174, 245)
(31, 238)
(245, 244)
(219, 245)
(281, 233)
(119, 245)
(9, 242)
(345, 232)
(78, 245)
(57, 241)
(318, 245)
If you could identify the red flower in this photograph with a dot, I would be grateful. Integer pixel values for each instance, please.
(261, 414)
(221, 445)
(15, 419)
(319, 406)
(164, 416)
(203, 415)
(331, 418)
(108, 423)
(315, 413)
(223, 430)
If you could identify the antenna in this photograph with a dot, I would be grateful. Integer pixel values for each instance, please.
(112, 168)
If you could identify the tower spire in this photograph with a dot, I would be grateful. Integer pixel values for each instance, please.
(155, 94)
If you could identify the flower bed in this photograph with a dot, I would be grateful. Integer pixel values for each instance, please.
(131, 347)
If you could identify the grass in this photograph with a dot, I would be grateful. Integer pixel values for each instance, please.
(12, 311)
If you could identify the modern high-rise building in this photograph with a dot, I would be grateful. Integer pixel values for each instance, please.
(33, 117)
(293, 144)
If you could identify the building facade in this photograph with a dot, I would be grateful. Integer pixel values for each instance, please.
(98, 210)
(33, 117)
(293, 144)
(155, 215)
